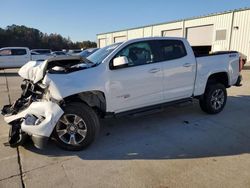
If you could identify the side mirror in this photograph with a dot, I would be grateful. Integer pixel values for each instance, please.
(120, 62)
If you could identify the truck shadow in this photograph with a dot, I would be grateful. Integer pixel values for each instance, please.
(246, 67)
(179, 132)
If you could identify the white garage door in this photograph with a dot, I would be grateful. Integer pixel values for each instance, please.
(102, 43)
(200, 36)
(120, 39)
(172, 33)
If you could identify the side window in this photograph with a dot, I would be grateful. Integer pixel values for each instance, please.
(5, 52)
(18, 52)
(137, 53)
(172, 49)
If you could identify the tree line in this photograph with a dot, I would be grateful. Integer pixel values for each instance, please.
(22, 36)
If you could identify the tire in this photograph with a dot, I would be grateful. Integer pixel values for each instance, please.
(214, 99)
(77, 128)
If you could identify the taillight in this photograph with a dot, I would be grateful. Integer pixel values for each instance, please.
(240, 64)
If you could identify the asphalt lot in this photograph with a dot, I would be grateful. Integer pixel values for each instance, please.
(179, 147)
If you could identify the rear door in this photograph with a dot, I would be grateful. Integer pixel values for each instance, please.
(178, 70)
(19, 56)
(140, 83)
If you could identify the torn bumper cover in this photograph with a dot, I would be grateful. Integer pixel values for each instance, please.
(38, 121)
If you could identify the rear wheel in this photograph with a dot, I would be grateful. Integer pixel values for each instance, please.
(214, 99)
(77, 128)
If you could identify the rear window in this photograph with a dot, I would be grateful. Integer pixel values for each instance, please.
(8, 52)
(18, 52)
(171, 49)
(5, 52)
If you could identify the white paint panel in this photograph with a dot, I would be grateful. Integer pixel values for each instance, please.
(120, 33)
(101, 36)
(109, 39)
(241, 33)
(147, 31)
(200, 36)
(222, 21)
(135, 33)
(240, 40)
(102, 43)
(157, 29)
(120, 39)
(172, 33)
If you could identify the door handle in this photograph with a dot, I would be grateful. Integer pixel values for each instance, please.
(187, 65)
(154, 70)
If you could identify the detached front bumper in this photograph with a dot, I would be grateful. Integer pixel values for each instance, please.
(38, 121)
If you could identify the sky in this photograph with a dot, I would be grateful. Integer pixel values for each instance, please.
(82, 20)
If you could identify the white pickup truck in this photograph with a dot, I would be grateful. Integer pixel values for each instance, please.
(63, 98)
(14, 57)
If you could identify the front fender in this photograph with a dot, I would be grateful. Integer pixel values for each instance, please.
(64, 85)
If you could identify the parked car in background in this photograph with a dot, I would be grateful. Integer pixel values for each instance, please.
(58, 53)
(74, 51)
(64, 97)
(41, 51)
(14, 57)
(87, 52)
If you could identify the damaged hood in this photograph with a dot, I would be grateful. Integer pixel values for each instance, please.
(36, 70)
(33, 70)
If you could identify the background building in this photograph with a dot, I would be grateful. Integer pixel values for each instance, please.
(214, 32)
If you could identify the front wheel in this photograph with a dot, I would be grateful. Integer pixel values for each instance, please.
(214, 99)
(77, 127)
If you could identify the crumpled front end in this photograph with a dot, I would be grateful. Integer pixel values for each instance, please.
(31, 115)
(37, 121)
(38, 109)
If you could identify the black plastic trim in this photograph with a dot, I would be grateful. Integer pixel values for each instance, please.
(239, 80)
(147, 108)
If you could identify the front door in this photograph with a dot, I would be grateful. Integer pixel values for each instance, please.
(138, 84)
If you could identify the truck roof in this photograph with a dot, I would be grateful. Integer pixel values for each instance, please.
(154, 38)
(9, 48)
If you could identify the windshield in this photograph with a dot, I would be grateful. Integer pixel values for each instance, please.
(102, 53)
(86, 53)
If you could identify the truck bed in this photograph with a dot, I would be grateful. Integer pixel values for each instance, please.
(227, 62)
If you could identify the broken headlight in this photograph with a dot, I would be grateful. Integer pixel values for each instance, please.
(31, 119)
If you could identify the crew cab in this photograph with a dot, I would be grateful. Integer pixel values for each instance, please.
(14, 57)
(64, 97)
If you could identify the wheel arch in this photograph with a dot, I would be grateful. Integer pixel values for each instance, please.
(95, 99)
(218, 77)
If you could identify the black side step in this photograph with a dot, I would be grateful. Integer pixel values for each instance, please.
(149, 109)
(147, 112)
